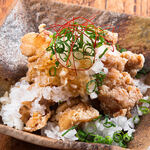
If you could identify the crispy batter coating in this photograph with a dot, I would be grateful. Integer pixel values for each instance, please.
(34, 47)
(118, 93)
(36, 122)
(135, 62)
(25, 111)
(75, 114)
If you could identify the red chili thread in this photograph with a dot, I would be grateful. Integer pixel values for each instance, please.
(69, 25)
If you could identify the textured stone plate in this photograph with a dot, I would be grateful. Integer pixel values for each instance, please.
(134, 34)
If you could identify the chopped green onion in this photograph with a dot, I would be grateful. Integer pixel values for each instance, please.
(90, 83)
(144, 110)
(126, 137)
(145, 101)
(81, 135)
(99, 139)
(92, 127)
(99, 44)
(60, 47)
(109, 124)
(122, 144)
(54, 71)
(81, 41)
(99, 78)
(69, 130)
(108, 140)
(78, 55)
(57, 63)
(103, 53)
(123, 50)
(136, 119)
(99, 117)
(117, 136)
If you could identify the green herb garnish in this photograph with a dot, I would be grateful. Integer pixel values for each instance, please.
(117, 136)
(99, 117)
(126, 137)
(52, 71)
(144, 110)
(136, 119)
(103, 53)
(145, 101)
(95, 83)
(74, 127)
(123, 50)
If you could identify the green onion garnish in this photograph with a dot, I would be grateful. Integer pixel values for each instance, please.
(103, 53)
(93, 126)
(144, 110)
(99, 139)
(145, 101)
(126, 137)
(109, 124)
(117, 136)
(108, 140)
(89, 84)
(74, 127)
(122, 144)
(57, 63)
(52, 71)
(81, 135)
(123, 50)
(99, 117)
(136, 119)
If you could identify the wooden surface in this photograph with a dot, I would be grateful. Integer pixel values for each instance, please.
(136, 7)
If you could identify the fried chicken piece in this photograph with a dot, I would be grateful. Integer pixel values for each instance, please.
(37, 121)
(111, 37)
(113, 60)
(118, 93)
(25, 111)
(135, 62)
(75, 114)
(126, 61)
(39, 64)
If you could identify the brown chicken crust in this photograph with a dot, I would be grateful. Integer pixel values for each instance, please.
(118, 95)
(75, 113)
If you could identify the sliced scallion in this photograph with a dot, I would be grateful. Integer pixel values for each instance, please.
(136, 119)
(74, 127)
(144, 110)
(117, 136)
(103, 53)
(52, 71)
(126, 137)
(91, 86)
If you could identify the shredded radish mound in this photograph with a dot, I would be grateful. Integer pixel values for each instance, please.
(52, 131)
